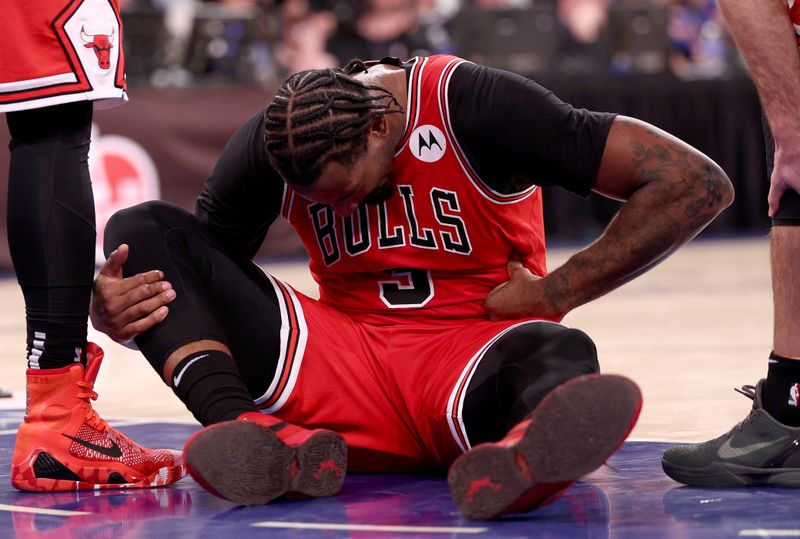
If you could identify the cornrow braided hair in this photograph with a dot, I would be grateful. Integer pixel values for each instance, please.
(322, 115)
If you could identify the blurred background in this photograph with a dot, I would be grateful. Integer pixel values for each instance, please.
(197, 69)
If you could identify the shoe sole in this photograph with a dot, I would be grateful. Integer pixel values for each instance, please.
(248, 464)
(732, 475)
(572, 432)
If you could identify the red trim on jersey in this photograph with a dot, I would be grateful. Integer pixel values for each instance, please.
(462, 436)
(58, 27)
(291, 347)
(444, 107)
(119, 79)
(412, 98)
(286, 203)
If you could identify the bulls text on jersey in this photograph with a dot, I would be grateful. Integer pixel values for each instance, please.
(450, 235)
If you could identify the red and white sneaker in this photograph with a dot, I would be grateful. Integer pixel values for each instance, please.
(64, 445)
(258, 457)
(571, 433)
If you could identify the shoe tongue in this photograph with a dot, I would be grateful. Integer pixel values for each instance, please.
(757, 397)
(94, 358)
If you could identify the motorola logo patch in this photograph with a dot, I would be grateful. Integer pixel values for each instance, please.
(428, 143)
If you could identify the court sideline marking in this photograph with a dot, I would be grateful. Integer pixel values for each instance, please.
(365, 527)
(41, 511)
(769, 533)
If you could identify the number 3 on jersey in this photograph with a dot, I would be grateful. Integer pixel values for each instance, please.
(406, 288)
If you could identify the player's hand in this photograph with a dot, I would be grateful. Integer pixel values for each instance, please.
(121, 307)
(785, 175)
(522, 296)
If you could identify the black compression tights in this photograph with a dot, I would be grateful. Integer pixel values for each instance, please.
(51, 231)
(217, 298)
(518, 370)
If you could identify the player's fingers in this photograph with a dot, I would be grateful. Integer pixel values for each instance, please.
(147, 291)
(497, 289)
(513, 266)
(113, 264)
(776, 190)
(133, 282)
(142, 309)
(129, 331)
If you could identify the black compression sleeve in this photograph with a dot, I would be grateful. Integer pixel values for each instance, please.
(516, 133)
(242, 197)
(51, 227)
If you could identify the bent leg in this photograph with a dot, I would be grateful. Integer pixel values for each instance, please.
(541, 380)
(224, 308)
(518, 370)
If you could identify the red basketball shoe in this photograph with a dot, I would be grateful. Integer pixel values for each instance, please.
(572, 432)
(258, 458)
(64, 445)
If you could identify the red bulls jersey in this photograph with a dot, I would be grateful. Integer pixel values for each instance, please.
(60, 51)
(441, 243)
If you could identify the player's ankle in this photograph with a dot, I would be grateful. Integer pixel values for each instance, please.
(781, 392)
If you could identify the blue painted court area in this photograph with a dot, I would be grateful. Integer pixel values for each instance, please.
(628, 498)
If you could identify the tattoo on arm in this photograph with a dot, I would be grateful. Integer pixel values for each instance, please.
(686, 174)
(680, 192)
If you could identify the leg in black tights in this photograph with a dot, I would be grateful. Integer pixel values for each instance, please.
(218, 298)
(518, 371)
(51, 230)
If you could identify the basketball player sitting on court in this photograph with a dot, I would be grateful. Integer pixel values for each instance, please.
(435, 342)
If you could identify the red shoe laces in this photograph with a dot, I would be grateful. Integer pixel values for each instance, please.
(98, 423)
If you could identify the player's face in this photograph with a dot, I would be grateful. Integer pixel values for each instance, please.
(345, 187)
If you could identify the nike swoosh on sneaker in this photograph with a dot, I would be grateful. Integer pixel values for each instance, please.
(177, 379)
(727, 451)
(114, 451)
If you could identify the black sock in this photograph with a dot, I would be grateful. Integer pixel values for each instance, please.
(54, 345)
(210, 385)
(780, 394)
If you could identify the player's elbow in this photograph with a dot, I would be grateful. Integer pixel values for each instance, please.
(717, 188)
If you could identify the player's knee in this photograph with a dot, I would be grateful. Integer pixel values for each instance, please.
(142, 224)
(579, 349)
(788, 213)
(127, 226)
(561, 348)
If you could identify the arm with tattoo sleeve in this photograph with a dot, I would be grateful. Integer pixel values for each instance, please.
(672, 191)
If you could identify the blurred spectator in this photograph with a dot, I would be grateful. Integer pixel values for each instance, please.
(584, 20)
(304, 29)
(383, 28)
(225, 44)
(147, 39)
(534, 36)
(176, 42)
(583, 47)
(701, 45)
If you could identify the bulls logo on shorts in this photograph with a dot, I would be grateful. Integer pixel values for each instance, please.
(61, 51)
